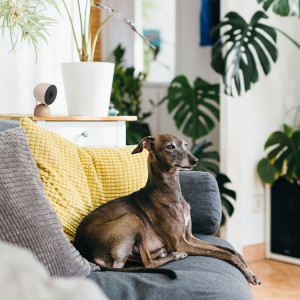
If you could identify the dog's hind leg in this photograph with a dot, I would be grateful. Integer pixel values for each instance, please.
(146, 258)
(203, 248)
(162, 252)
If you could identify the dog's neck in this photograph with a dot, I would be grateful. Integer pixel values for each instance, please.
(166, 181)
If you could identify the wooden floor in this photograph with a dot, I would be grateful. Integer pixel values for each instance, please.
(279, 280)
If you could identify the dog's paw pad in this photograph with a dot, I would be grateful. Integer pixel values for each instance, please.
(179, 255)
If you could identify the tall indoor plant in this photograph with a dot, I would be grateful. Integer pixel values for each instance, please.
(88, 83)
(126, 97)
(195, 111)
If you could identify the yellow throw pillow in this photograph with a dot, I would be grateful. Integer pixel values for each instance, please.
(79, 179)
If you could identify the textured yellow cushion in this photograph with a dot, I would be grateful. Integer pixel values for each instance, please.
(78, 180)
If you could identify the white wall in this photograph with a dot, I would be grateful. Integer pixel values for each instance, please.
(19, 74)
(247, 121)
(115, 31)
(191, 61)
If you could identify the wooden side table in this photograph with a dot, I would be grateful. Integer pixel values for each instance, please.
(85, 130)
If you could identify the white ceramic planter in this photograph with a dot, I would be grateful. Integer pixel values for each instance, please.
(88, 87)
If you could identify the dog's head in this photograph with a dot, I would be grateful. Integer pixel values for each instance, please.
(169, 151)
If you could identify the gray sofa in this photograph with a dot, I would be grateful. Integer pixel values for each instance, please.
(198, 277)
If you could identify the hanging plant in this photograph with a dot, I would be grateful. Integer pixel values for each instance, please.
(26, 21)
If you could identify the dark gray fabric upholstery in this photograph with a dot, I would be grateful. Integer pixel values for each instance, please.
(201, 191)
(27, 218)
(199, 277)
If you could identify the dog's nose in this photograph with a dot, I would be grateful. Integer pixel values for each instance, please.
(194, 161)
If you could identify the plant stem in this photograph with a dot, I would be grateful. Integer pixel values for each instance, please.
(78, 50)
(90, 22)
(97, 35)
(83, 43)
(85, 11)
(288, 37)
(295, 118)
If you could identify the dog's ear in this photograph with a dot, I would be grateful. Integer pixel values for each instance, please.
(146, 143)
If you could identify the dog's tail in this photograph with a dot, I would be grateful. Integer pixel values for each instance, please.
(167, 272)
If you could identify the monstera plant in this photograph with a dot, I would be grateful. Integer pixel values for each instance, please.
(195, 110)
(208, 161)
(282, 7)
(243, 46)
(196, 107)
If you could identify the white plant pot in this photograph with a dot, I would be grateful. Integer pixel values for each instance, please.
(88, 87)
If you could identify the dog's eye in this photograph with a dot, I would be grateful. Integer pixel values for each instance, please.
(170, 147)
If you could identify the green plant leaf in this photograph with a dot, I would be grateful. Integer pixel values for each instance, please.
(207, 160)
(135, 131)
(241, 48)
(196, 107)
(227, 196)
(288, 130)
(266, 171)
(282, 7)
(276, 137)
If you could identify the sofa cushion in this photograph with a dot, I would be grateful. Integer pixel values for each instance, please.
(78, 180)
(27, 218)
(200, 190)
(199, 277)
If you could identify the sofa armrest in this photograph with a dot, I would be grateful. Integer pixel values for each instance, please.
(200, 190)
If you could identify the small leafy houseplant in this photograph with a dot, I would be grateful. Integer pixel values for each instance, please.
(25, 20)
(126, 97)
(195, 111)
(283, 158)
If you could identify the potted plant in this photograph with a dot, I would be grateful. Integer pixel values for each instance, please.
(195, 111)
(283, 159)
(88, 83)
(25, 21)
(126, 97)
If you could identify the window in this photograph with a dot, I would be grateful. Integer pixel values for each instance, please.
(158, 25)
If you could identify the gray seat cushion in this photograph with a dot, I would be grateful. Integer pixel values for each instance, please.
(199, 277)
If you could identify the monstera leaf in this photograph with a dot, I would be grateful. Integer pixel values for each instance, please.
(282, 7)
(226, 194)
(207, 160)
(241, 48)
(284, 158)
(196, 107)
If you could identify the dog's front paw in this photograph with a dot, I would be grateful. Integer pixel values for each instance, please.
(179, 255)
